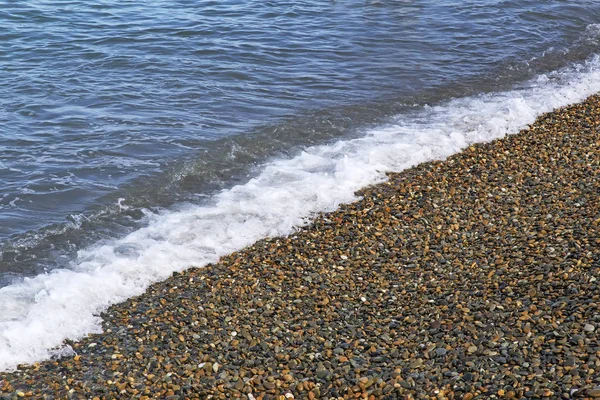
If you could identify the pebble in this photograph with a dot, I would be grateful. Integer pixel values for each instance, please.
(441, 351)
(593, 393)
(462, 279)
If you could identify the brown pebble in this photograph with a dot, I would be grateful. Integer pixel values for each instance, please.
(473, 277)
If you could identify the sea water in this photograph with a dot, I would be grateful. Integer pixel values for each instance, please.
(141, 139)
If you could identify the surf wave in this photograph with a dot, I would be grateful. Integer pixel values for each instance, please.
(39, 313)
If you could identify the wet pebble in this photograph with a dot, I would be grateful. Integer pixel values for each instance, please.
(475, 277)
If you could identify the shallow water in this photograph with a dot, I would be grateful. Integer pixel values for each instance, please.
(138, 140)
(165, 102)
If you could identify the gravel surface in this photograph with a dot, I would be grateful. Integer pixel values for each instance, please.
(476, 277)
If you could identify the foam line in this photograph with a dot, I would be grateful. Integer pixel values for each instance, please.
(36, 315)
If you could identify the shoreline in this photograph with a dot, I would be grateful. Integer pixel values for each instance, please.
(473, 276)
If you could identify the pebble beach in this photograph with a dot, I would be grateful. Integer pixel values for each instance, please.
(473, 277)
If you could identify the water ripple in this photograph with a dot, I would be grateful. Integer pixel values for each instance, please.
(161, 102)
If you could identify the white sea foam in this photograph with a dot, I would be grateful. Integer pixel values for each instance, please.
(37, 314)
